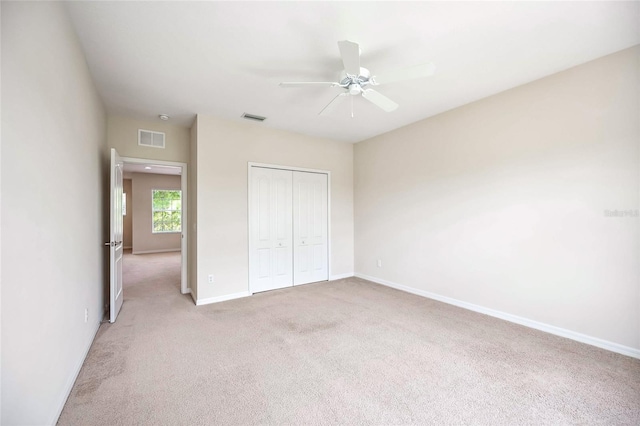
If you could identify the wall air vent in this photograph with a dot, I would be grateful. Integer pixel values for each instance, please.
(150, 138)
(253, 117)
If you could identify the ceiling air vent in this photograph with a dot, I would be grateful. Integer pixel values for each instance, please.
(150, 138)
(253, 117)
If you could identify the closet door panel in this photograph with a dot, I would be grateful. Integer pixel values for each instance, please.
(270, 232)
(310, 227)
(260, 230)
(282, 224)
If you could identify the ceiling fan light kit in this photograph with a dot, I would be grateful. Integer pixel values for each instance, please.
(354, 80)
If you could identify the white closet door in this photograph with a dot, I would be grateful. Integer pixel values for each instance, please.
(310, 235)
(271, 250)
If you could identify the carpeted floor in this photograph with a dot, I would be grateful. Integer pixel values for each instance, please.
(345, 352)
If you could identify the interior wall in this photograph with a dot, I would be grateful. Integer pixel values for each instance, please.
(122, 134)
(144, 240)
(53, 158)
(224, 149)
(508, 202)
(127, 229)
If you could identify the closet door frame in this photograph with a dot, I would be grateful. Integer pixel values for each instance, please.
(251, 164)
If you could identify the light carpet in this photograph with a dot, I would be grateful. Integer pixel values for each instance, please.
(344, 352)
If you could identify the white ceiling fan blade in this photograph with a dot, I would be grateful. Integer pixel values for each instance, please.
(308, 83)
(379, 100)
(350, 53)
(334, 103)
(411, 73)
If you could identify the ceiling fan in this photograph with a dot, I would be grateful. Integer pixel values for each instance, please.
(355, 80)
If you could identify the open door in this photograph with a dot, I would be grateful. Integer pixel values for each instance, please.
(115, 232)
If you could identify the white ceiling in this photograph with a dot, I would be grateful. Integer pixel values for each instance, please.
(226, 58)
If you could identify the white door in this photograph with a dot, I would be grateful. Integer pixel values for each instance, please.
(270, 230)
(115, 233)
(310, 228)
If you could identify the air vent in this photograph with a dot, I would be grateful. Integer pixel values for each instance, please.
(150, 138)
(253, 117)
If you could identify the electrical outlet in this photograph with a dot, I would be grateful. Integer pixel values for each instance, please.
(210, 278)
(86, 315)
(379, 263)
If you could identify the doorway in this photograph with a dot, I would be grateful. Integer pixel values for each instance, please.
(155, 217)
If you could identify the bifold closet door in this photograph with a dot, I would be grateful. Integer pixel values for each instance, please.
(310, 229)
(271, 231)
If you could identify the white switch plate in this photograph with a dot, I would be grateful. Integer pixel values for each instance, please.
(379, 263)
(211, 279)
(86, 314)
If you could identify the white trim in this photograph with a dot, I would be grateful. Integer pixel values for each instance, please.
(341, 276)
(184, 177)
(72, 379)
(251, 164)
(155, 251)
(562, 332)
(224, 298)
(329, 225)
(295, 169)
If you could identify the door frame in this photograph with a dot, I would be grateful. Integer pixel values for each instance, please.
(184, 283)
(251, 164)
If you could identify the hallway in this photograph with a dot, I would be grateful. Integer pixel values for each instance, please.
(150, 275)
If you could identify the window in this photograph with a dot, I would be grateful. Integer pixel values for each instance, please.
(167, 210)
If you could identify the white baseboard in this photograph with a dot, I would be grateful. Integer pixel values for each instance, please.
(583, 338)
(341, 276)
(222, 298)
(72, 379)
(127, 247)
(156, 251)
(186, 292)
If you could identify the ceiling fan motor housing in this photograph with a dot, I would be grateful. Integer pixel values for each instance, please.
(355, 83)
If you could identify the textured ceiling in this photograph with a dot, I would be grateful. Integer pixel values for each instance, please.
(226, 58)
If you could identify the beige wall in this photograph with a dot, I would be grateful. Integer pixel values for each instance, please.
(53, 175)
(144, 240)
(223, 150)
(122, 134)
(127, 230)
(193, 208)
(501, 203)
